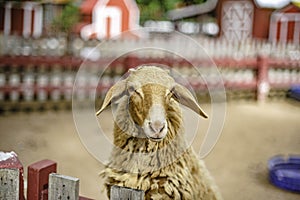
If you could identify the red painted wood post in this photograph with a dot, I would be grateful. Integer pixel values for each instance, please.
(12, 162)
(38, 174)
(130, 62)
(263, 85)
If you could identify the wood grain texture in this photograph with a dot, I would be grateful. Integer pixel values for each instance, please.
(9, 184)
(63, 187)
(122, 193)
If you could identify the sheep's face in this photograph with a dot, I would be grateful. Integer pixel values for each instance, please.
(147, 107)
(152, 95)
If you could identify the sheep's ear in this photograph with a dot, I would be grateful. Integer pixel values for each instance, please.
(113, 94)
(185, 97)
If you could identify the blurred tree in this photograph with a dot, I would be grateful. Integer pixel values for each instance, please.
(156, 9)
(67, 19)
(65, 22)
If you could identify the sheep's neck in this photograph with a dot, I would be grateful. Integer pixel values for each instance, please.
(141, 155)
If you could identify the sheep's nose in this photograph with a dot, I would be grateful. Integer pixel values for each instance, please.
(157, 126)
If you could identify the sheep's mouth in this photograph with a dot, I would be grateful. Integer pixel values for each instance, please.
(156, 139)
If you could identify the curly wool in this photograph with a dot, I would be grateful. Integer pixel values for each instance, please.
(187, 178)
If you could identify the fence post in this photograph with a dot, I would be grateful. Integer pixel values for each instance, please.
(122, 193)
(263, 85)
(9, 184)
(9, 166)
(63, 187)
(38, 179)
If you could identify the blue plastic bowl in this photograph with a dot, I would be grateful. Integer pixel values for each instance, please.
(294, 92)
(285, 172)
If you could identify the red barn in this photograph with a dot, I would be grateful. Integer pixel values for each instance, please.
(285, 25)
(28, 18)
(244, 19)
(260, 19)
(25, 18)
(108, 18)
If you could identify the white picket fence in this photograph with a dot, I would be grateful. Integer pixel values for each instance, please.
(182, 45)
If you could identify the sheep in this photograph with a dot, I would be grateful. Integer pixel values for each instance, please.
(150, 152)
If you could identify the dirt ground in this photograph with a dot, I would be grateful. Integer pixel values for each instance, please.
(252, 134)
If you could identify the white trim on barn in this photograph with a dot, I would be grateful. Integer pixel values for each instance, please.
(134, 19)
(283, 29)
(7, 18)
(273, 29)
(27, 19)
(38, 21)
(297, 30)
(115, 15)
(35, 29)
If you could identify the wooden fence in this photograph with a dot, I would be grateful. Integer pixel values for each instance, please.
(44, 183)
(28, 82)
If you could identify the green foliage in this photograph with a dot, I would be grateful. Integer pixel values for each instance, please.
(68, 18)
(156, 9)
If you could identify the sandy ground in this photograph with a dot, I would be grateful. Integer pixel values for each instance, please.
(252, 134)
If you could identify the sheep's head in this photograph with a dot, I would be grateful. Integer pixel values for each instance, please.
(151, 93)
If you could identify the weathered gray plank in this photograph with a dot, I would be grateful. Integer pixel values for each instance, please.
(63, 187)
(9, 184)
(123, 193)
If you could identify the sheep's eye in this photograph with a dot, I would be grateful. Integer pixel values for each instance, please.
(132, 91)
(138, 93)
